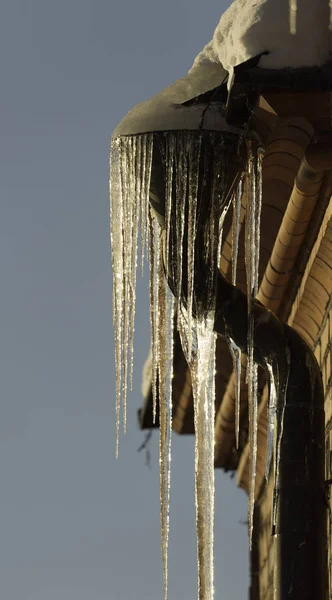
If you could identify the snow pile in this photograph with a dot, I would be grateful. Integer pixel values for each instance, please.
(251, 27)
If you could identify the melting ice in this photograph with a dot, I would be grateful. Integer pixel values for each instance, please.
(130, 172)
(252, 245)
(202, 366)
(196, 231)
(189, 237)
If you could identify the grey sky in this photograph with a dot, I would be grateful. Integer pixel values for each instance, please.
(75, 523)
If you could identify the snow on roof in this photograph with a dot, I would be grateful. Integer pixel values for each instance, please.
(247, 29)
(250, 27)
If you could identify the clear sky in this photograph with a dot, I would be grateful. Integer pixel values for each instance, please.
(75, 523)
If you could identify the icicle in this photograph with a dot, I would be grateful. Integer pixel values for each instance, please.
(129, 188)
(236, 228)
(194, 158)
(117, 264)
(201, 341)
(253, 212)
(146, 148)
(272, 411)
(282, 395)
(135, 193)
(154, 305)
(251, 371)
(234, 349)
(126, 176)
(202, 369)
(165, 320)
(292, 16)
(169, 158)
(258, 211)
(180, 205)
(236, 356)
(174, 251)
(162, 324)
(197, 332)
(204, 393)
(141, 162)
(253, 410)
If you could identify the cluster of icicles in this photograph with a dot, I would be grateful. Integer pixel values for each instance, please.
(131, 164)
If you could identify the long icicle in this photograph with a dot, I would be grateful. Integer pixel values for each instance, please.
(249, 256)
(204, 392)
(201, 340)
(165, 321)
(181, 176)
(234, 349)
(202, 369)
(128, 208)
(136, 195)
(129, 189)
(116, 230)
(252, 263)
(131, 162)
(194, 158)
(169, 158)
(203, 372)
(258, 211)
(162, 333)
(154, 252)
(140, 185)
(236, 228)
(146, 148)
